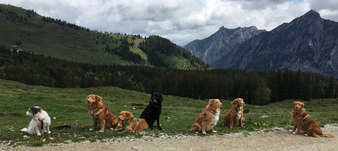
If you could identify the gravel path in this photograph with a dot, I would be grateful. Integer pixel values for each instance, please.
(279, 139)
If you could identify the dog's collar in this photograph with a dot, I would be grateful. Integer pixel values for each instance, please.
(154, 104)
(298, 113)
(124, 126)
(303, 119)
(237, 110)
(41, 122)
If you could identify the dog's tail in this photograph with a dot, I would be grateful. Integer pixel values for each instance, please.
(196, 128)
(327, 135)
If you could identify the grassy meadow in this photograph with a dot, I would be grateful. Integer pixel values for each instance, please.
(68, 106)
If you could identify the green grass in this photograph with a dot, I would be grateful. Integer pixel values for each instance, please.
(68, 106)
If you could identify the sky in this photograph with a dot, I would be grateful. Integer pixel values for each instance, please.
(180, 21)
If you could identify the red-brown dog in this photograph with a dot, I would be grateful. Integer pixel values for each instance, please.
(100, 113)
(303, 121)
(208, 118)
(235, 115)
(130, 124)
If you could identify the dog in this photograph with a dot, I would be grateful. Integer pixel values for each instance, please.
(39, 123)
(130, 124)
(100, 113)
(303, 121)
(153, 110)
(235, 115)
(208, 118)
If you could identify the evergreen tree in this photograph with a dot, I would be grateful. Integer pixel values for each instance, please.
(307, 89)
(331, 88)
(262, 94)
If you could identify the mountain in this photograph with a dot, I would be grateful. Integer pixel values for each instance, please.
(22, 29)
(220, 43)
(308, 43)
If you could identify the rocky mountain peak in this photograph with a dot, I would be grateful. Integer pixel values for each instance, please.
(307, 43)
(220, 43)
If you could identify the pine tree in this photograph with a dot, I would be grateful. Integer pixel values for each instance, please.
(262, 94)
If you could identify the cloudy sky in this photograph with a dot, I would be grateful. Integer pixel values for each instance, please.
(181, 21)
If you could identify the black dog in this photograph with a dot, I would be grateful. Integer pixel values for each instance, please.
(153, 110)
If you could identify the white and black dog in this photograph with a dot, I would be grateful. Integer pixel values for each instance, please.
(39, 123)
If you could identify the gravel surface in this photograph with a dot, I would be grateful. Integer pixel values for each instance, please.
(275, 139)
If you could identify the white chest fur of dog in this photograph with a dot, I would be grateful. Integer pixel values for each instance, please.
(39, 123)
(239, 115)
(213, 121)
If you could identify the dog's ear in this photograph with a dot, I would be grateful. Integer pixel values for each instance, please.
(161, 98)
(293, 104)
(129, 116)
(98, 98)
(302, 104)
(35, 110)
(234, 102)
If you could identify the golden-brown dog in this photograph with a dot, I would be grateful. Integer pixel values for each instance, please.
(303, 121)
(235, 115)
(130, 124)
(100, 113)
(208, 118)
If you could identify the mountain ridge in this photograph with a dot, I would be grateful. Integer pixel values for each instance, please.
(220, 43)
(308, 43)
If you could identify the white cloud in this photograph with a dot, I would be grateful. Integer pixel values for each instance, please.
(181, 21)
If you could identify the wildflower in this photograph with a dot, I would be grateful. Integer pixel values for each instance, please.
(43, 140)
(54, 118)
(255, 123)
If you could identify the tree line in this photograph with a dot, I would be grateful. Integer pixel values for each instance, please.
(254, 87)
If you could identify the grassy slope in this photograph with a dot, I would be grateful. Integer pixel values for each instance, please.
(68, 43)
(58, 41)
(69, 107)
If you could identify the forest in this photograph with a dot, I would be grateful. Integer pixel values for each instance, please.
(33, 69)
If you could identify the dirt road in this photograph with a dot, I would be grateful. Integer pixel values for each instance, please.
(275, 140)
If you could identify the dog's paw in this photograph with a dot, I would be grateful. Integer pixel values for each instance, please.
(38, 134)
(290, 130)
(49, 132)
(101, 131)
(305, 134)
(196, 132)
(294, 133)
(24, 130)
(90, 129)
(204, 133)
(160, 128)
(214, 131)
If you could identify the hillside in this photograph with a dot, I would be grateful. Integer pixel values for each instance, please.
(35, 69)
(308, 43)
(26, 30)
(220, 43)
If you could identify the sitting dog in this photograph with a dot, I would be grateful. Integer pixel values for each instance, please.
(153, 110)
(39, 123)
(208, 118)
(130, 124)
(100, 113)
(235, 115)
(303, 121)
